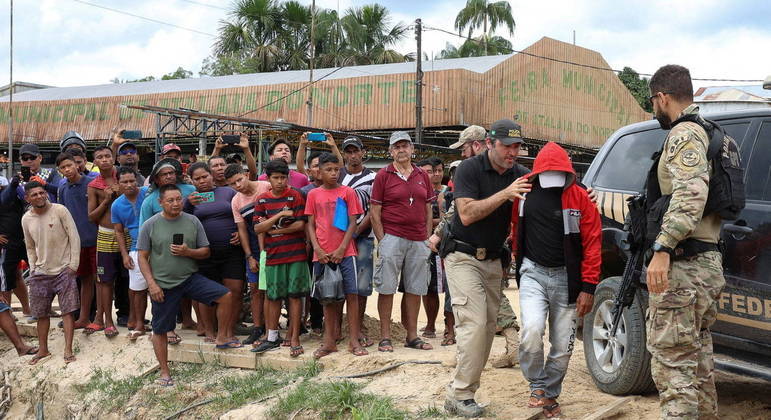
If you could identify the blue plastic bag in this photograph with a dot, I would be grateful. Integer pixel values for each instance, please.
(341, 215)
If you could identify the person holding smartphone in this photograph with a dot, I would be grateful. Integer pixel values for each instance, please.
(212, 206)
(170, 245)
(218, 169)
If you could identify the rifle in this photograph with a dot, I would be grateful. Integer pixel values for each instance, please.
(635, 225)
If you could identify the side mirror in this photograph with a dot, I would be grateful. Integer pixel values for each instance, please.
(767, 83)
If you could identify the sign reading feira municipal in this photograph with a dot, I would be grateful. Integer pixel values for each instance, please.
(551, 99)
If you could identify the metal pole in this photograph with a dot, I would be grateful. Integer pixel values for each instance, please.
(9, 170)
(313, 57)
(419, 84)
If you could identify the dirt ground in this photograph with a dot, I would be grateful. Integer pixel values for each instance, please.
(412, 387)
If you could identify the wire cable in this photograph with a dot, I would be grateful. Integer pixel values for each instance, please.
(206, 5)
(429, 28)
(160, 22)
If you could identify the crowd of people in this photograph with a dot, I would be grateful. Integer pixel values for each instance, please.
(193, 237)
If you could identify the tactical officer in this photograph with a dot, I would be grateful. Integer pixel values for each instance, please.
(485, 186)
(685, 275)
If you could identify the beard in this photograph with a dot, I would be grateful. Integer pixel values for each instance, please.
(664, 121)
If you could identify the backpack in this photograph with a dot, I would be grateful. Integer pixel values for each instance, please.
(726, 182)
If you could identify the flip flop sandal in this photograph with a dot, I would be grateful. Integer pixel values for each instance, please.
(111, 332)
(164, 382)
(321, 352)
(385, 345)
(37, 359)
(429, 334)
(173, 339)
(30, 351)
(366, 342)
(133, 335)
(92, 328)
(230, 345)
(449, 341)
(69, 359)
(418, 344)
(539, 397)
(552, 410)
(358, 351)
(286, 343)
(296, 351)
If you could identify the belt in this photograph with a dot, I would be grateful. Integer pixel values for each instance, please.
(692, 247)
(479, 253)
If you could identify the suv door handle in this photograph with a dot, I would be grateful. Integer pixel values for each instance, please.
(742, 230)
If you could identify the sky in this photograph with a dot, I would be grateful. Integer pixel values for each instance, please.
(69, 43)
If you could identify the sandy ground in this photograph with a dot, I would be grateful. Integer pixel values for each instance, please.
(412, 387)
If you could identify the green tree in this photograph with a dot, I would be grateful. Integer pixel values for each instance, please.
(487, 15)
(475, 47)
(638, 86)
(370, 36)
(179, 73)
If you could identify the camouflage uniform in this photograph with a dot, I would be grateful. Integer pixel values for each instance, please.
(506, 316)
(678, 319)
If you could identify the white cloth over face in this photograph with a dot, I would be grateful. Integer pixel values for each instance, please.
(551, 179)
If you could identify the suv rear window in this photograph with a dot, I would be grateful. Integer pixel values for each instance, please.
(758, 176)
(626, 166)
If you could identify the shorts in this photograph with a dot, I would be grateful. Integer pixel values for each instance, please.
(4, 307)
(224, 262)
(348, 269)
(137, 281)
(43, 288)
(401, 256)
(109, 261)
(291, 280)
(251, 277)
(87, 265)
(9, 266)
(196, 287)
(364, 264)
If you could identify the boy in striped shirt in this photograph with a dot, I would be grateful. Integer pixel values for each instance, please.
(280, 213)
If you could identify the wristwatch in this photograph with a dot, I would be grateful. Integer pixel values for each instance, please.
(657, 247)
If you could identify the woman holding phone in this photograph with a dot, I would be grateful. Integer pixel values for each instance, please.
(212, 206)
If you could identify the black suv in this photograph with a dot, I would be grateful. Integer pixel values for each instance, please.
(742, 333)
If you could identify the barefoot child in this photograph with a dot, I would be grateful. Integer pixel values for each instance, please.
(332, 245)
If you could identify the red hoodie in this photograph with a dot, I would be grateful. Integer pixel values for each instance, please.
(583, 230)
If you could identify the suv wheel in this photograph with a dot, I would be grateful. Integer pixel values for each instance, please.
(619, 365)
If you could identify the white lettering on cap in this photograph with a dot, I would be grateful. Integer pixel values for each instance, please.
(551, 179)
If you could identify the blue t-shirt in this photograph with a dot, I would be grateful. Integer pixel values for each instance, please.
(127, 214)
(151, 206)
(75, 198)
(216, 216)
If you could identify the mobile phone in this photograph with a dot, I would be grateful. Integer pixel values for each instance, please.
(26, 173)
(131, 134)
(317, 137)
(177, 239)
(206, 197)
(231, 139)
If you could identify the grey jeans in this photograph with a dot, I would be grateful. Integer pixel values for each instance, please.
(543, 294)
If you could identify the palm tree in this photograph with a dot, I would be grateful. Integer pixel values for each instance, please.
(370, 36)
(487, 15)
(474, 47)
(294, 36)
(251, 34)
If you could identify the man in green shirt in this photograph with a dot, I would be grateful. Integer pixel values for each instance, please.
(169, 245)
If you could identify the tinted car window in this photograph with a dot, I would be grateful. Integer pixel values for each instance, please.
(737, 131)
(759, 166)
(626, 165)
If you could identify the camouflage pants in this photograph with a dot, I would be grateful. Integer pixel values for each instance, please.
(506, 316)
(679, 339)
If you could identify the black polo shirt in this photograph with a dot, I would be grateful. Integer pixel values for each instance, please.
(477, 179)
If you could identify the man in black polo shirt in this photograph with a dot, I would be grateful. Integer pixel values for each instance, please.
(485, 187)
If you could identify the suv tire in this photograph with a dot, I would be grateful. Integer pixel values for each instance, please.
(623, 365)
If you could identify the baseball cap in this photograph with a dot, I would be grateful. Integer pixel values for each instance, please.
(398, 136)
(455, 164)
(353, 141)
(29, 149)
(469, 134)
(507, 131)
(169, 147)
(126, 144)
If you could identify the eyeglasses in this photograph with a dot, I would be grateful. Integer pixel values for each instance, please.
(27, 158)
(127, 152)
(650, 98)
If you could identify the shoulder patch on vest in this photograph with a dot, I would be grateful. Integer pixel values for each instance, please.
(690, 158)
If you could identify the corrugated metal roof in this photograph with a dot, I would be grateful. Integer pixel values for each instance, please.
(475, 64)
(756, 90)
(731, 94)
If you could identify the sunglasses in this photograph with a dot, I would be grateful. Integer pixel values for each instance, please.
(127, 152)
(27, 158)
